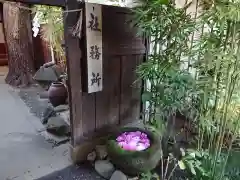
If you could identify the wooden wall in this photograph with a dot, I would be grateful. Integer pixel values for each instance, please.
(120, 101)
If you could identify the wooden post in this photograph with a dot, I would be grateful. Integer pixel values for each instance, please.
(81, 105)
(73, 53)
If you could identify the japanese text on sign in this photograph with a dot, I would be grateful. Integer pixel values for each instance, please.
(94, 46)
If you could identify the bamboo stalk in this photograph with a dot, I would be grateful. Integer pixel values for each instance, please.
(231, 144)
(230, 85)
(192, 39)
(217, 80)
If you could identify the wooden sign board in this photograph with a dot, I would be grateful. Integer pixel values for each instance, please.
(94, 46)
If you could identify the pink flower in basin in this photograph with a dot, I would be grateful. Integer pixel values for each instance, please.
(133, 141)
(140, 147)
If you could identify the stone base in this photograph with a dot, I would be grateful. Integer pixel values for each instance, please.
(80, 152)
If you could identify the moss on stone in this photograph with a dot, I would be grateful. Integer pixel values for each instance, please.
(135, 162)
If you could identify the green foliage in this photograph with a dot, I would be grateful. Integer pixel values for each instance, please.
(217, 66)
(149, 176)
(168, 169)
(195, 162)
(233, 166)
(199, 163)
(52, 31)
(169, 29)
(171, 94)
(210, 96)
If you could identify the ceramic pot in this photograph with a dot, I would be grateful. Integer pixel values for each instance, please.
(57, 94)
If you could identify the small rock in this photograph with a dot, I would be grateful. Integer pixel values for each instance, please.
(101, 151)
(66, 116)
(92, 156)
(57, 126)
(61, 108)
(46, 74)
(118, 175)
(49, 112)
(104, 168)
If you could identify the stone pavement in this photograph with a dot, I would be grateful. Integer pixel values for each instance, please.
(24, 153)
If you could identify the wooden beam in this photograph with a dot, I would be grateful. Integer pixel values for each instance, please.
(42, 2)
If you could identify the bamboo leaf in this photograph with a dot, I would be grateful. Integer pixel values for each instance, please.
(181, 165)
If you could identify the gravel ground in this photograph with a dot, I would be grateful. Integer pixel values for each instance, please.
(81, 172)
(37, 106)
(30, 96)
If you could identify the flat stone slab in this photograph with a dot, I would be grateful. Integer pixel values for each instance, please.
(61, 108)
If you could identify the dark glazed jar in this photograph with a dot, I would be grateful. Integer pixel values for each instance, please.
(57, 94)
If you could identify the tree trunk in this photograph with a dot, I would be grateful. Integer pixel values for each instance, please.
(17, 27)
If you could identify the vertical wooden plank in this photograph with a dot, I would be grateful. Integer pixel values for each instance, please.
(124, 40)
(73, 53)
(89, 113)
(130, 103)
(107, 101)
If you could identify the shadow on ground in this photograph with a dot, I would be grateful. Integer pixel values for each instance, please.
(74, 172)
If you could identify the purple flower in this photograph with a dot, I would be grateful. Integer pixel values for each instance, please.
(133, 141)
(122, 144)
(141, 147)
